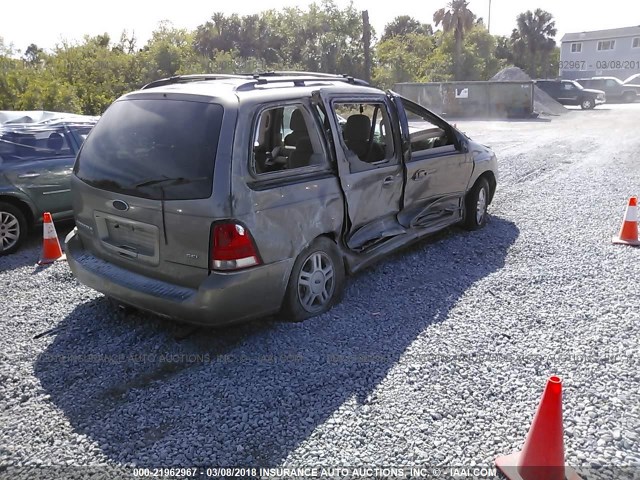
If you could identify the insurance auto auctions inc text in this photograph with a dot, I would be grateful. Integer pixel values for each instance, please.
(379, 472)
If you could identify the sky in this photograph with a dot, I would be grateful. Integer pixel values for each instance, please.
(46, 23)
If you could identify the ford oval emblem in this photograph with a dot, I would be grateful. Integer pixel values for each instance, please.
(120, 205)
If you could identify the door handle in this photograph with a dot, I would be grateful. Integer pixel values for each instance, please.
(419, 174)
(29, 175)
(390, 180)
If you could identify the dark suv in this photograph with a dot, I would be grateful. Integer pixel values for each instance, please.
(568, 92)
(218, 198)
(613, 87)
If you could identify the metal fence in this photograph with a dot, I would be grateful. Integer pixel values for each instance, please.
(472, 99)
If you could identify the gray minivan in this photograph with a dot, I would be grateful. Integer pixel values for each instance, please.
(220, 198)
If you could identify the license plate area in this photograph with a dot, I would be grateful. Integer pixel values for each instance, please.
(128, 238)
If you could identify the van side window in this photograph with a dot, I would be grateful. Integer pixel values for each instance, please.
(366, 134)
(286, 138)
(425, 133)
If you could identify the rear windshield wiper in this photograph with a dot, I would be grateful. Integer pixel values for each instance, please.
(166, 182)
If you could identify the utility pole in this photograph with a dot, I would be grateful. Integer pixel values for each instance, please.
(366, 39)
(489, 21)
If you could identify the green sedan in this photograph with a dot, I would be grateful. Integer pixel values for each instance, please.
(36, 160)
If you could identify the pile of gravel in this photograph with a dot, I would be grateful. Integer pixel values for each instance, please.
(542, 102)
(511, 74)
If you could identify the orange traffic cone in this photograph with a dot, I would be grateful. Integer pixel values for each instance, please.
(51, 250)
(542, 457)
(629, 231)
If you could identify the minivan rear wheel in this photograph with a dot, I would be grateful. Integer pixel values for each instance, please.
(13, 228)
(316, 283)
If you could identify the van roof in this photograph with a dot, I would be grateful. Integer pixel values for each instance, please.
(281, 84)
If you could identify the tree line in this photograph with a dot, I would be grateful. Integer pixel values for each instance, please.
(85, 77)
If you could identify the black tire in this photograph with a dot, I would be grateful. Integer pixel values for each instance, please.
(476, 202)
(629, 97)
(13, 228)
(323, 292)
(587, 104)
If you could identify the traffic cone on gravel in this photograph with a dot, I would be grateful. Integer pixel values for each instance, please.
(542, 457)
(629, 231)
(51, 250)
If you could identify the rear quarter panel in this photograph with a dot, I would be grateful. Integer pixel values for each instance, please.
(284, 216)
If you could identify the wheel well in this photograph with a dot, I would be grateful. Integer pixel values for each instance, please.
(24, 208)
(491, 179)
(334, 238)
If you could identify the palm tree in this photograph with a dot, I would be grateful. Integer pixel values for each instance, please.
(219, 21)
(404, 25)
(456, 18)
(534, 38)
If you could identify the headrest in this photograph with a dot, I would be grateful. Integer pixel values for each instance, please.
(357, 128)
(55, 141)
(296, 123)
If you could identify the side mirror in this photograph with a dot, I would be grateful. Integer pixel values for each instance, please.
(461, 141)
(464, 145)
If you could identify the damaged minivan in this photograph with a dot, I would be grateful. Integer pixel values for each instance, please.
(216, 199)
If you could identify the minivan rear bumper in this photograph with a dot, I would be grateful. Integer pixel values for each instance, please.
(221, 299)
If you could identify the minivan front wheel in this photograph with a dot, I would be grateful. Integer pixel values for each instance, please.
(587, 104)
(316, 282)
(13, 228)
(476, 203)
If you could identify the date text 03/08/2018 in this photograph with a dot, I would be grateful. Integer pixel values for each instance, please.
(600, 65)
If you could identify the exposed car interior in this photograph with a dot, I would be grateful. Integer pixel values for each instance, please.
(366, 133)
(286, 138)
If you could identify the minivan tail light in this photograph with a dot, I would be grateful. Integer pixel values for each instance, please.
(232, 247)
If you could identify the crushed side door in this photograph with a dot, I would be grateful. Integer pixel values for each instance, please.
(438, 169)
(372, 187)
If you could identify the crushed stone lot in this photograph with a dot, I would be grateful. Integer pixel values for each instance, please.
(437, 355)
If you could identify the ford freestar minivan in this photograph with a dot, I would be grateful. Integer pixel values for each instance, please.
(219, 198)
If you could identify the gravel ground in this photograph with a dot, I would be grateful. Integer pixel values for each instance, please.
(437, 355)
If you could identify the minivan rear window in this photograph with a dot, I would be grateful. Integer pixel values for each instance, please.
(155, 149)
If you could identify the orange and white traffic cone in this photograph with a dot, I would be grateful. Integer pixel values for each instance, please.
(629, 231)
(51, 250)
(542, 456)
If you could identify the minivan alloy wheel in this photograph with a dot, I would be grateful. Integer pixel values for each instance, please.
(476, 204)
(316, 282)
(481, 206)
(9, 230)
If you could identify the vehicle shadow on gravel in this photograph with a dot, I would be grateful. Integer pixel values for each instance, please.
(147, 393)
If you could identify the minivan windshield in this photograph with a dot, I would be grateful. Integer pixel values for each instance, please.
(137, 140)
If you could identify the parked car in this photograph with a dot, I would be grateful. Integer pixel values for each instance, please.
(614, 89)
(191, 202)
(569, 92)
(36, 160)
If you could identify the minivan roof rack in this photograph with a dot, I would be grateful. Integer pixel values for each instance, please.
(262, 78)
(190, 78)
